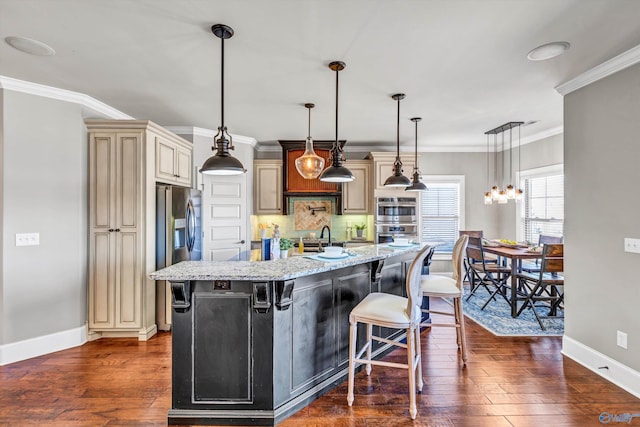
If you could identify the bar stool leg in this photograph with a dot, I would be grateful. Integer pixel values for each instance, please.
(369, 345)
(353, 332)
(413, 411)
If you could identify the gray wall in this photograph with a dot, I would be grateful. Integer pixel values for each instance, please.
(44, 185)
(601, 208)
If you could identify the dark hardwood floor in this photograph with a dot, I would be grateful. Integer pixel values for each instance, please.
(512, 382)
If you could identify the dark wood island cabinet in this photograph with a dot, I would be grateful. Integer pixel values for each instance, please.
(254, 342)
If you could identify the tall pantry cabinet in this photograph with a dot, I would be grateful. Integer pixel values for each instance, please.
(122, 178)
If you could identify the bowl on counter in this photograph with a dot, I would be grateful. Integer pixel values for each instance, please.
(401, 242)
(332, 251)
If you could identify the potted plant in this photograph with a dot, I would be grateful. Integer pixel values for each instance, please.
(285, 245)
(359, 228)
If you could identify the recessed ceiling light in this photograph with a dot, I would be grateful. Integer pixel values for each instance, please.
(547, 51)
(32, 47)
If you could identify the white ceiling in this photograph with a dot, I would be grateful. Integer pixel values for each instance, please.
(461, 63)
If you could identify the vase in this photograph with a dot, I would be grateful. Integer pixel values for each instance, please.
(263, 233)
(284, 253)
(358, 233)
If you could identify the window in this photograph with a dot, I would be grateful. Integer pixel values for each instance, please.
(542, 210)
(442, 210)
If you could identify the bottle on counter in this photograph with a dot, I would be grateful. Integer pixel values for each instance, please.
(301, 246)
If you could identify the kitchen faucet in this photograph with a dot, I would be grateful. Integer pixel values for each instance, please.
(322, 236)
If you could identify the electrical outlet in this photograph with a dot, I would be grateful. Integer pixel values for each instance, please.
(27, 239)
(632, 245)
(622, 339)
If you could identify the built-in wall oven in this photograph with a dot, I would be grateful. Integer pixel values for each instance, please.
(396, 217)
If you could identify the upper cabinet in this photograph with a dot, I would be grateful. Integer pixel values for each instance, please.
(267, 187)
(356, 195)
(383, 166)
(173, 160)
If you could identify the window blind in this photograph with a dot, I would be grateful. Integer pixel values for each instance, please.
(440, 208)
(542, 210)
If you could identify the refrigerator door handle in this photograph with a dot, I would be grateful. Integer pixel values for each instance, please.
(191, 226)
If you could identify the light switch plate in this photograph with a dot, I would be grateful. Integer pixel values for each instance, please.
(621, 339)
(632, 245)
(27, 239)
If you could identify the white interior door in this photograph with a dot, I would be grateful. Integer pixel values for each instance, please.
(225, 220)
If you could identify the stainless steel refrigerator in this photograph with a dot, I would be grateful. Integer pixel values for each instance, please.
(178, 238)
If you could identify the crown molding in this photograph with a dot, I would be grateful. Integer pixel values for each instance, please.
(615, 64)
(208, 133)
(91, 107)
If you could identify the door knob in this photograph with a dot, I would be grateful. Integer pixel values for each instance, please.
(241, 242)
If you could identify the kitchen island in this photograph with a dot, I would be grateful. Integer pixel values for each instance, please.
(254, 342)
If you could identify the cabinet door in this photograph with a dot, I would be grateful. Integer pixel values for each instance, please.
(127, 280)
(356, 195)
(101, 275)
(183, 166)
(166, 154)
(267, 187)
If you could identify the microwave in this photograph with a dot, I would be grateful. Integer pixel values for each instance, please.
(396, 210)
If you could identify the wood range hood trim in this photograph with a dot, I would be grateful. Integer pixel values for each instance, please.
(294, 185)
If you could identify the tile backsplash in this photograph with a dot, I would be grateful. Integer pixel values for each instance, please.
(287, 225)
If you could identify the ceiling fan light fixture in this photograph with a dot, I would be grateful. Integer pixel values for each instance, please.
(309, 165)
(222, 163)
(336, 172)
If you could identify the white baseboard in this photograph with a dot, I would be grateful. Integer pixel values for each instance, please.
(34, 347)
(617, 373)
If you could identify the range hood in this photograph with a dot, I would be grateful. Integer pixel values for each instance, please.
(294, 185)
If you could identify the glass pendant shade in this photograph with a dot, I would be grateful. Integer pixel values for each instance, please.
(487, 198)
(502, 197)
(511, 192)
(519, 195)
(222, 163)
(495, 193)
(336, 172)
(309, 165)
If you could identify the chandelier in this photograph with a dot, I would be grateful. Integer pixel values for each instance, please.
(508, 191)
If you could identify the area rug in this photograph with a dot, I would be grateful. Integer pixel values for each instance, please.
(496, 317)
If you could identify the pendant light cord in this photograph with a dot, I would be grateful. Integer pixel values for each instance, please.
(309, 127)
(415, 158)
(510, 155)
(398, 133)
(337, 142)
(222, 84)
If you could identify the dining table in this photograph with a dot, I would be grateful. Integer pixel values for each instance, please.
(516, 255)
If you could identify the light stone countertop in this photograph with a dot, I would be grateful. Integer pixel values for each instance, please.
(281, 269)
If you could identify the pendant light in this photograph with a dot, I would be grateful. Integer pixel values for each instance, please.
(397, 179)
(502, 194)
(519, 192)
(509, 192)
(487, 196)
(336, 172)
(495, 191)
(309, 165)
(222, 163)
(416, 184)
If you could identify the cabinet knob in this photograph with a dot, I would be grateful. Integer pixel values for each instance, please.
(117, 230)
(241, 242)
(111, 230)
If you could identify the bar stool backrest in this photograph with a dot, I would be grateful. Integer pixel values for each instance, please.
(414, 288)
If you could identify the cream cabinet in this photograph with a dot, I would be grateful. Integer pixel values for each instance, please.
(383, 166)
(173, 160)
(357, 195)
(267, 187)
(122, 178)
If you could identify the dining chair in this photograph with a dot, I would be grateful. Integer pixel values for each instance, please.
(390, 311)
(543, 288)
(435, 286)
(534, 266)
(486, 274)
(470, 233)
